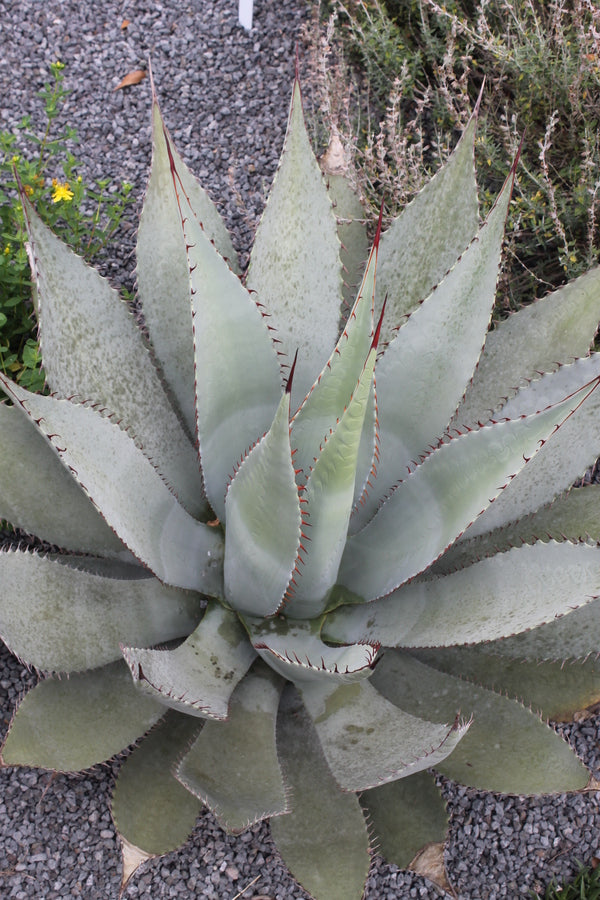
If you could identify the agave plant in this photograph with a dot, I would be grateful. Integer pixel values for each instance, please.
(312, 548)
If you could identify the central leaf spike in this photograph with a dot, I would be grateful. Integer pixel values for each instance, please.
(288, 386)
(377, 335)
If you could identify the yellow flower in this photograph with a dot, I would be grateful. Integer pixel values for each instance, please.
(7, 250)
(61, 191)
(28, 190)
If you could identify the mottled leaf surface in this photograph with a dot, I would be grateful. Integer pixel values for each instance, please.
(75, 723)
(352, 232)
(554, 689)
(38, 494)
(128, 490)
(405, 815)
(107, 361)
(573, 637)
(162, 269)
(558, 328)
(507, 747)
(295, 265)
(60, 616)
(509, 593)
(233, 766)
(150, 808)
(263, 523)
(199, 676)
(562, 460)
(368, 740)
(238, 380)
(323, 839)
(422, 375)
(435, 504)
(428, 236)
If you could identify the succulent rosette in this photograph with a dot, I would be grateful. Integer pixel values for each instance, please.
(317, 539)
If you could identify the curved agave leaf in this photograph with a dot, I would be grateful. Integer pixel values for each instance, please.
(554, 689)
(368, 456)
(127, 489)
(329, 498)
(561, 461)
(332, 391)
(497, 597)
(76, 723)
(162, 269)
(369, 741)
(507, 747)
(573, 637)
(296, 253)
(107, 361)
(198, 677)
(434, 355)
(233, 766)
(39, 494)
(431, 232)
(59, 617)
(238, 381)
(425, 513)
(404, 816)
(150, 808)
(560, 326)
(263, 522)
(323, 839)
(351, 223)
(573, 516)
(294, 649)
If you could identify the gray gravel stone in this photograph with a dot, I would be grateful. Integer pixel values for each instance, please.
(225, 95)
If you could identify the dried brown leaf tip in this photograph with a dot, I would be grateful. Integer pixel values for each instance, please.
(131, 78)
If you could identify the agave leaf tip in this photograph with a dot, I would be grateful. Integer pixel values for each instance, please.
(479, 99)
(377, 334)
(290, 378)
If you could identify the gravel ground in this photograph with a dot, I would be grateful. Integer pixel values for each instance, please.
(225, 94)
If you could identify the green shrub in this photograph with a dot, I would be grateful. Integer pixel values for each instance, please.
(86, 217)
(423, 65)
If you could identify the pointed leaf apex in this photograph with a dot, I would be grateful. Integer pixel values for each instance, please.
(152, 85)
(17, 178)
(479, 99)
(509, 182)
(288, 387)
(517, 156)
(377, 334)
(169, 153)
(25, 201)
(378, 232)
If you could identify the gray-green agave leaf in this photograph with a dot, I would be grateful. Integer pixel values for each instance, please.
(286, 591)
